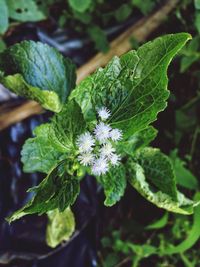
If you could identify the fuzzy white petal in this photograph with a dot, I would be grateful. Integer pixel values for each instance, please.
(107, 150)
(85, 142)
(102, 132)
(104, 113)
(86, 159)
(116, 134)
(100, 167)
(115, 159)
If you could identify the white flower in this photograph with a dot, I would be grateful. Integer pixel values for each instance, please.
(85, 142)
(114, 159)
(97, 150)
(116, 134)
(102, 132)
(107, 150)
(100, 166)
(104, 113)
(86, 159)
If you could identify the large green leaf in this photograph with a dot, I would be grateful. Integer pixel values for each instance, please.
(24, 10)
(37, 71)
(137, 178)
(53, 141)
(158, 170)
(40, 153)
(3, 16)
(114, 184)
(61, 226)
(57, 190)
(133, 87)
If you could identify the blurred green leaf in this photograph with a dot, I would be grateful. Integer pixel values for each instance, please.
(3, 16)
(2, 46)
(190, 54)
(158, 224)
(197, 4)
(80, 5)
(99, 38)
(60, 227)
(197, 21)
(144, 6)
(23, 10)
(192, 237)
(123, 12)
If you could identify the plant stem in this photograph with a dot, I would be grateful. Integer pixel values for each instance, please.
(194, 140)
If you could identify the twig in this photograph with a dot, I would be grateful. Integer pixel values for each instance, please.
(121, 263)
(139, 31)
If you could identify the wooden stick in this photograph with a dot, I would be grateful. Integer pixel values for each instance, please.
(140, 31)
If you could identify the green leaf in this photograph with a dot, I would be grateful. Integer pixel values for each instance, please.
(114, 184)
(158, 170)
(186, 119)
(67, 126)
(197, 21)
(133, 87)
(137, 141)
(80, 5)
(55, 141)
(143, 251)
(123, 12)
(183, 176)
(40, 153)
(61, 226)
(23, 10)
(16, 83)
(159, 224)
(144, 6)
(197, 4)
(99, 38)
(3, 16)
(191, 239)
(138, 180)
(44, 6)
(2, 45)
(57, 190)
(38, 72)
(190, 54)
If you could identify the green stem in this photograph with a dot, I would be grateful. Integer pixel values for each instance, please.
(194, 140)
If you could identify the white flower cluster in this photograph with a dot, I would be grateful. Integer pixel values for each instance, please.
(97, 149)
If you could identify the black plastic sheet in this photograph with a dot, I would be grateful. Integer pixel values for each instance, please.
(23, 242)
